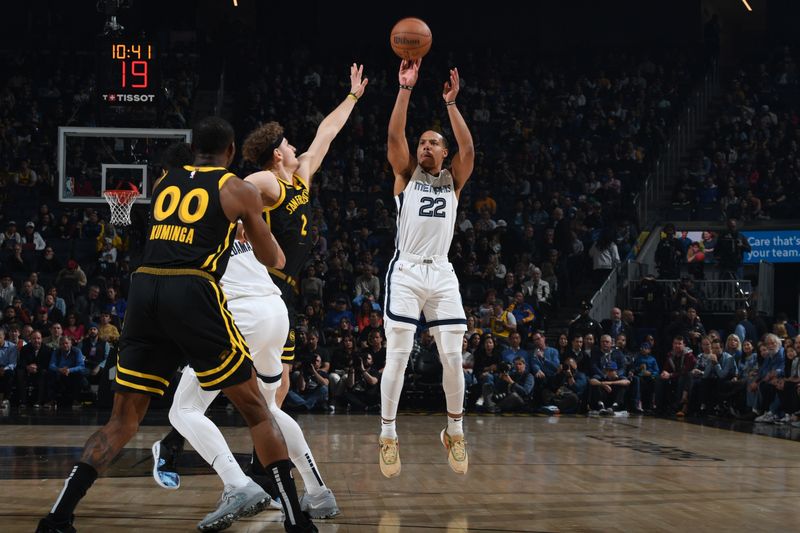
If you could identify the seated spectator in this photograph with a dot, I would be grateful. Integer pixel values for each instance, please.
(362, 391)
(108, 331)
(375, 323)
(54, 314)
(771, 372)
(567, 390)
(10, 236)
(523, 313)
(310, 386)
(90, 305)
(311, 286)
(645, 368)
(334, 316)
(31, 239)
(608, 389)
(34, 360)
(8, 365)
(7, 290)
(116, 306)
(18, 264)
(511, 390)
(70, 280)
(53, 340)
(96, 352)
(27, 299)
(515, 350)
(486, 359)
(66, 374)
(502, 322)
(675, 381)
(74, 329)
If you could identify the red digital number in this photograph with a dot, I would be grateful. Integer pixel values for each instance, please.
(138, 69)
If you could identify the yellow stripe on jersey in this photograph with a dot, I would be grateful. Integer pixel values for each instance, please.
(190, 168)
(158, 181)
(225, 178)
(225, 246)
(302, 180)
(280, 199)
(138, 387)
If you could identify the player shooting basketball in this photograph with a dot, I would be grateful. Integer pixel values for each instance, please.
(420, 277)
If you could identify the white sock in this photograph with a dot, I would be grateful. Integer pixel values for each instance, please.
(454, 425)
(229, 470)
(388, 429)
(296, 444)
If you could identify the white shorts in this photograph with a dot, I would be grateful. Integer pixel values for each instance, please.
(264, 322)
(430, 286)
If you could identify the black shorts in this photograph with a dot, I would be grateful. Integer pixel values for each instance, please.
(176, 315)
(290, 299)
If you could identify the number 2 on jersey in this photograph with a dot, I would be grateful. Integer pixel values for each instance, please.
(303, 230)
(432, 207)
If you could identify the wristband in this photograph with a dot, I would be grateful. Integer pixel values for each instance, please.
(406, 87)
(453, 102)
(353, 96)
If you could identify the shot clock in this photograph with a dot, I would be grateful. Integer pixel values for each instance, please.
(128, 73)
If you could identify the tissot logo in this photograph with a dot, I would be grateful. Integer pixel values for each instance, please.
(129, 97)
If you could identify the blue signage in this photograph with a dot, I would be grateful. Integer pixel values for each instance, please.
(773, 246)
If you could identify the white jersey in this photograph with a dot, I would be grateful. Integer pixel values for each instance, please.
(245, 275)
(426, 214)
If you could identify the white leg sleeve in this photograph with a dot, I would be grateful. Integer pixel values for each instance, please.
(449, 344)
(187, 415)
(399, 343)
(296, 444)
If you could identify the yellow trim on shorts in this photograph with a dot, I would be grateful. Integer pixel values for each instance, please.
(138, 387)
(238, 346)
(224, 376)
(226, 313)
(151, 377)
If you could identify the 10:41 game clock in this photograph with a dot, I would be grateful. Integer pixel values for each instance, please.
(128, 73)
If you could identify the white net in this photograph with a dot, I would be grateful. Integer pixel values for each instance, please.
(120, 203)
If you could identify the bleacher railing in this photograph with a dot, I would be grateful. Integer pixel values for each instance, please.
(716, 296)
(684, 133)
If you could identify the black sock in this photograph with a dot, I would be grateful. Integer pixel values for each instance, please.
(79, 481)
(260, 475)
(173, 441)
(281, 472)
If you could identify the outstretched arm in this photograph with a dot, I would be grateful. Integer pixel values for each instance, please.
(464, 160)
(331, 125)
(241, 200)
(398, 152)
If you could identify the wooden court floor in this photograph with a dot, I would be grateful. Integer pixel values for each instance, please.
(526, 474)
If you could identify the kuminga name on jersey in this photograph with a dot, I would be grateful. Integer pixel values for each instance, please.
(188, 227)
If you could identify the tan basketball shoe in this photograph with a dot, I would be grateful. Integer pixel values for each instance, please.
(389, 457)
(456, 452)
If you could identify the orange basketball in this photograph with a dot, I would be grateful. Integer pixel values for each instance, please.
(411, 38)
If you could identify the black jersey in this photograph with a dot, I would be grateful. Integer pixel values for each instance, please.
(188, 228)
(288, 219)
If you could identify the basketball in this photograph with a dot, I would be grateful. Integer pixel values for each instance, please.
(411, 38)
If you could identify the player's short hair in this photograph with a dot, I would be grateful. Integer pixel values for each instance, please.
(260, 143)
(212, 135)
(445, 144)
(176, 155)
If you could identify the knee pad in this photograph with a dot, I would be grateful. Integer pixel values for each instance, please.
(400, 342)
(448, 342)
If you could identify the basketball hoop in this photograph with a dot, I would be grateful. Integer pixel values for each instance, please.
(120, 202)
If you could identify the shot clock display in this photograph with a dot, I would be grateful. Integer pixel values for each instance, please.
(128, 73)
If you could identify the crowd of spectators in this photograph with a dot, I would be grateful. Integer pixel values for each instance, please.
(562, 149)
(748, 166)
